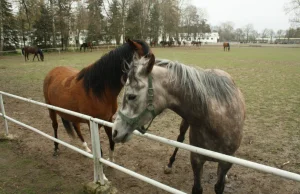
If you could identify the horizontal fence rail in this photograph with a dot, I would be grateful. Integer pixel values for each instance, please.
(219, 156)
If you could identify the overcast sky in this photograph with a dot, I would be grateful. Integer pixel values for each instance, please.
(262, 14)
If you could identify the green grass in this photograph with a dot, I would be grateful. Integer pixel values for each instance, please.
(268, 77)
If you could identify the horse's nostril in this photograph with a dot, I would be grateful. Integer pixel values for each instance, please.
(115, 133)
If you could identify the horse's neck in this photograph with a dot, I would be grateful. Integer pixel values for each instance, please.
(170, 95)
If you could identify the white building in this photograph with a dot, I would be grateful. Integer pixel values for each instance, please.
(203, 37)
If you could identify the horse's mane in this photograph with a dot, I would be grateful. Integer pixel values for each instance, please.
(199, 85)
(108, 70)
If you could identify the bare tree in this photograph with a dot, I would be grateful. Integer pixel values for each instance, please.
(271, 34)
(52, 5)
(81, 20)
(292, 8)
(280, 33)
(264, 34)
(239, 34)
(248, 30)
(226, 31)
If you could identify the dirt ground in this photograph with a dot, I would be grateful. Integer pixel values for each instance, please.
(27, 164)
(72, 170)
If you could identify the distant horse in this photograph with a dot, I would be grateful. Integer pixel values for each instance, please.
(169, 43)
(92, 91)
(226, 46)
(196, 43)
(87, 45)
(208, 100)
(153, 43)
(33, 50)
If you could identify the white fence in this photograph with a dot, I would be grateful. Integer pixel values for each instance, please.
(98, 160)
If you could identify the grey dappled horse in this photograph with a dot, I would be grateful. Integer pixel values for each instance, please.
(207, 100)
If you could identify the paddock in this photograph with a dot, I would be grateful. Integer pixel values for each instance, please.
(268, 77)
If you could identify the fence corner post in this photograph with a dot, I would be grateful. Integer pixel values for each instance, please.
(99, 185)
(6, 134)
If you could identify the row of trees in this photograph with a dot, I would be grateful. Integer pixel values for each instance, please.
(227, 32)
(51, 22)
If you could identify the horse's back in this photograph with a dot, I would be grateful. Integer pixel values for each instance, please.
(56, 80)
(224, 121)
(226, 44)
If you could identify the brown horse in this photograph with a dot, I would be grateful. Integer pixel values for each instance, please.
(33, 50)
(87, 45)
(226, 46)
(196, 43)
(92, 91)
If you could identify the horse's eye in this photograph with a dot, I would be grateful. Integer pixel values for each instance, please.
(131, 97)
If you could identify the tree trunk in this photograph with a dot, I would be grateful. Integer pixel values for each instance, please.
(1, 30)
(53, 24)
(123, 19)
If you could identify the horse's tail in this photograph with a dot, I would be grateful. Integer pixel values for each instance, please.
(23, 50)
(68, 126)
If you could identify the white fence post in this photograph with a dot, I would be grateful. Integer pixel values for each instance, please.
(3, 114)
(96, 149)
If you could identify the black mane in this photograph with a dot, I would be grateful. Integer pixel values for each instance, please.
(108, 70)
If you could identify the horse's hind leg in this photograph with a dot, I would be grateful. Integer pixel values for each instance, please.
(53, 117)
(78, 132)
(108, 131)
(197, 165)
(183, 129)
(223, 168)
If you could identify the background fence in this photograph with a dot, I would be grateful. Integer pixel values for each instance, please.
(98, 160)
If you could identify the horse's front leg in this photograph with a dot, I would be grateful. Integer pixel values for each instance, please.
(33, 57)
(108, 131)
(78, 132)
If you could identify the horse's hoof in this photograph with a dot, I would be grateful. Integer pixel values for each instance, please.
(226, 179)
(56, 153)
(168, 170)
(104, 178)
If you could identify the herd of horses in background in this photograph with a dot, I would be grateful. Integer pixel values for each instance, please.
(37, 52)
(171, 43)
